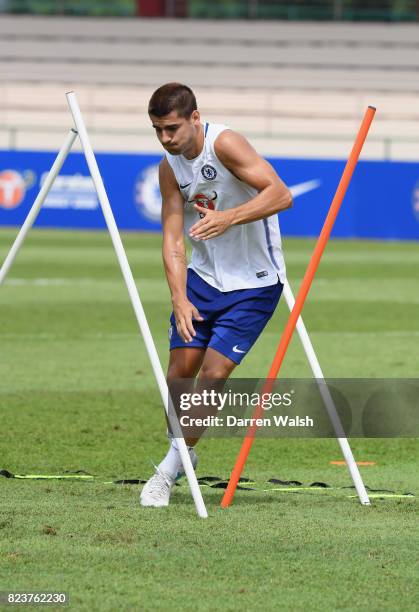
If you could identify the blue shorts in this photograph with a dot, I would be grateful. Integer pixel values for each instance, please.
(233, 320)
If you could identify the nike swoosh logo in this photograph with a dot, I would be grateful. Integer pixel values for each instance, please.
(237, 350)
(301, 188)
(184, 186)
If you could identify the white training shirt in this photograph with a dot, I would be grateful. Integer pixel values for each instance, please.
(244, 256)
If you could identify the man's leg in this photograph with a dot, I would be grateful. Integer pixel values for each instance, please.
(216, 366)
(215, 370)
(243, 316)
(184, 363)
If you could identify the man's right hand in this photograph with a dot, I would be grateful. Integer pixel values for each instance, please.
(184, 312)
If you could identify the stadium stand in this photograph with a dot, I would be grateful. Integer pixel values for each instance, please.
(294, 88)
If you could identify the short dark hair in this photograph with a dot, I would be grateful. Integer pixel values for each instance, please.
(172, 97)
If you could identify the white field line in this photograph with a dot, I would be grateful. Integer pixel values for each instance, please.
(112, 336)
(48, 282)
(292, 256)
(348, 258)
(77, 338)
(402, 291)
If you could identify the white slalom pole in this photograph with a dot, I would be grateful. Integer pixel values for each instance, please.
(328, 401)
(136, 302)
(36, 206)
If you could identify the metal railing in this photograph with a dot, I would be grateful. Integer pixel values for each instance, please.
(387, 143)
(346, 10)
(115, 8)
(337, 10)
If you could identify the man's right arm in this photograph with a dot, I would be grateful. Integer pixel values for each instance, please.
(174, 252)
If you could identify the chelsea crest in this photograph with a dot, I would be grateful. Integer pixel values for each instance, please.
(208, 172)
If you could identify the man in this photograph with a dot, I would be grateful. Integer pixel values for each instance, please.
(225, 197)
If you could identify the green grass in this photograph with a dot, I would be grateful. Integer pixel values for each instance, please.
(76, 393)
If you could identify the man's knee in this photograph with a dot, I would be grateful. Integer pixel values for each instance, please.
(184, 363)
(213, 371)
(176, 371)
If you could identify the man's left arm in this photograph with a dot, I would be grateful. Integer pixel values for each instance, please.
(236, 154)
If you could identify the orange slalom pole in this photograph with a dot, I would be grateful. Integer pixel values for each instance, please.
(299, 302)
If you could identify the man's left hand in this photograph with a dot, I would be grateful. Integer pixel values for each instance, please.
(213, 223)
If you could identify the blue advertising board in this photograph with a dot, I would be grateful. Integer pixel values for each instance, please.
(382, 200)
